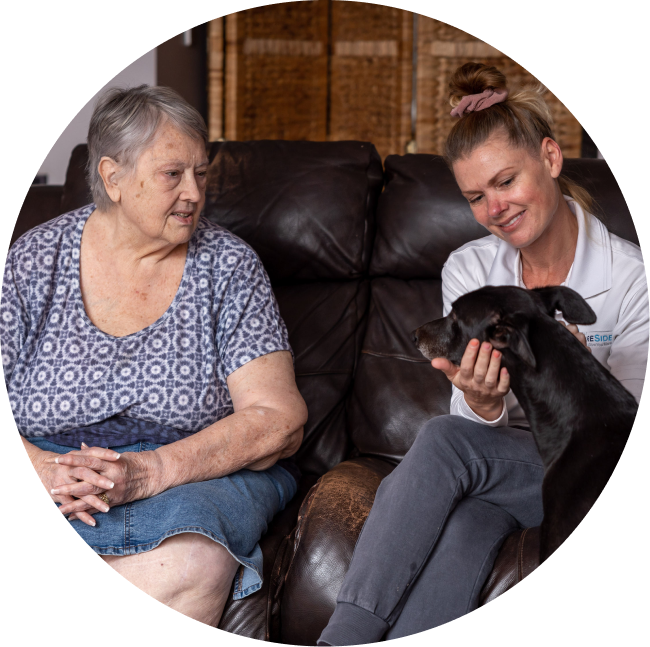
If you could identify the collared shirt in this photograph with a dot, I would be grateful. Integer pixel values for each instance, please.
(607, 271)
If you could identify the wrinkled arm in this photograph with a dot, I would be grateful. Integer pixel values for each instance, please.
(267, 425)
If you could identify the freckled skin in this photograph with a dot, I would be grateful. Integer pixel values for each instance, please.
(133, 256)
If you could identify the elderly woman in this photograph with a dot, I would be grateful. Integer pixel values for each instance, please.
(148, 368)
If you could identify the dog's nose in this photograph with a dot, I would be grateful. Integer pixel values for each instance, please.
(414, 336)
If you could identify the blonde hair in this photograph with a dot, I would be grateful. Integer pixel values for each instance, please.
(524, 116)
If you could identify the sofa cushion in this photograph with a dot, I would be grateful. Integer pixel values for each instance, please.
(395, 389)
(321, 546)
(307, 208)
(326, 322)
(422, 216)
(596, 176)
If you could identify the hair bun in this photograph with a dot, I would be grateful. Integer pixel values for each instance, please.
(474, 78)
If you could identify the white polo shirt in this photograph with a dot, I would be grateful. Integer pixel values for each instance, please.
(607, 271)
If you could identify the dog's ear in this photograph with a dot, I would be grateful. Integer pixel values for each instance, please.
(574, 308)
(515, 337)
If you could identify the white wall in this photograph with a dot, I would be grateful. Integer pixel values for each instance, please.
(55, 164)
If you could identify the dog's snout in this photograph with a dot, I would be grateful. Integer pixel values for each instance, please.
(414, 336)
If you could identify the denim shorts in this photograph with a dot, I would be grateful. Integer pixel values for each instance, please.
(233, 510)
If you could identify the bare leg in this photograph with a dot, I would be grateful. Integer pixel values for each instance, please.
(188, 572)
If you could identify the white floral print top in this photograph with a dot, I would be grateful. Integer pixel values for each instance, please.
(62, 373)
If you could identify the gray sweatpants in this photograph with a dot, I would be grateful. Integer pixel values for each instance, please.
(435, 528)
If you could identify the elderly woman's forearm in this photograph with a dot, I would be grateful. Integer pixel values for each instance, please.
(253, 438)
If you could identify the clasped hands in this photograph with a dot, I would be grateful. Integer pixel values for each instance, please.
(77, 478)
(482, 379)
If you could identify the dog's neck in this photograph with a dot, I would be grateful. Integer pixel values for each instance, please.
(564, 366)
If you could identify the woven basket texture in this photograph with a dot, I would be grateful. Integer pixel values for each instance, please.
(215, 78)
(434, 69)
(276, 72)
(330, 70)
(371, 70)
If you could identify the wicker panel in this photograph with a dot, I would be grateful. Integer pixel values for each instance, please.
(276, 72)
(441, 49)
(215, 78)
(371, 67)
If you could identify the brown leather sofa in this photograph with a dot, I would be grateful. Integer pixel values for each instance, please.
(354, 252)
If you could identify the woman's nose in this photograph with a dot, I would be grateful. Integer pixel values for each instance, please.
(495, 206)
(190, 190)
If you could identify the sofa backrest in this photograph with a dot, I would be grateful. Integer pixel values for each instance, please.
(351, 286)
(421, 218)
(308, 210)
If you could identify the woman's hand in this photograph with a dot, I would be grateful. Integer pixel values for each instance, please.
(480, 377)
(53, 474)
(130, 478)
(572, 328)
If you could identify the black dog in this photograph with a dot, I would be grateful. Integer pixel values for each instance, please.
(580, 415)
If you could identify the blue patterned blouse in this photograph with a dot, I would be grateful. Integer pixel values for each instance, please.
(160, 384)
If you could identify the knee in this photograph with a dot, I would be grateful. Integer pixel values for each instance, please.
(198, 563)
(437, 433)
(185, 563)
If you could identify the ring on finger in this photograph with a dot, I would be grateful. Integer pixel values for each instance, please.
(104, 498)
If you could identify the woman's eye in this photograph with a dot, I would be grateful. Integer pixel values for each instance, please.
(172, 173)
(507, 182)
(475, 200)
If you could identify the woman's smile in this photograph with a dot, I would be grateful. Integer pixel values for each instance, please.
(184, 217)
(511, 224)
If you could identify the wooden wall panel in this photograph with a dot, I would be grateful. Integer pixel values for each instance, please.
(441, 49)
(371, 69)
(276, 72)
(327, 69)
(215, 78)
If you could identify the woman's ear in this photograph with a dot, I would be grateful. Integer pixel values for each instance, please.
(552, 156)
(108, 170)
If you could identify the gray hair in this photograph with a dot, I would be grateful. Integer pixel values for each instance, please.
(125, 123)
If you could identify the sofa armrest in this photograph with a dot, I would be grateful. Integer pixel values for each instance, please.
(312, 562)
(517, 558)
(251, 616)
(329, 523)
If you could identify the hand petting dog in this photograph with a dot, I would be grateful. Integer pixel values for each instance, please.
(480, 377)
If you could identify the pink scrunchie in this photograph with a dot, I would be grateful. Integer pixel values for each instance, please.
(475, 102)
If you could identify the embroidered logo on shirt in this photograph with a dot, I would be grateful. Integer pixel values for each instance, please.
(596, 339)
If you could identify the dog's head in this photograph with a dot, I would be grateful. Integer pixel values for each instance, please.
(501, 316)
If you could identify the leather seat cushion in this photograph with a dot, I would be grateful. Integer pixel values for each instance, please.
(422, 216)
(326, 322)
(307, 208)
(395, 389)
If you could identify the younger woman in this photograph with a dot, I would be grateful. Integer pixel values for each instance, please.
(473, 477)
